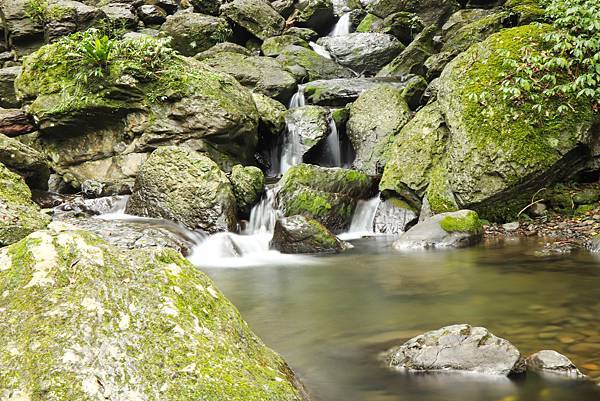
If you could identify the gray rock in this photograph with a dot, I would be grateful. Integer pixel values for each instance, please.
(25, 161)
(64, 17)
(393, 217)
(513, 226)
(412, 59)
(340, 92)
(363, 52)
(22, 32)
(315, 14)
(552, 363)
(151, 14)
(307, 65)
(192, 33)
(186, 187)
(430, 11)
(537, 209)
(310, 124)
(299, 234)
(458, 347)
(271, 116)
(121, 14)
(263, 74)
(445, 230)
(376, 116)
(248, 184)
(8, 98)
(594, 244)
(222, 48)
(255, 16)
(274, 46)
(207, 6)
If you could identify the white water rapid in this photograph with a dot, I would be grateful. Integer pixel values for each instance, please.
(334, 150)
(320, 50)
(363, 219)
(342, 27)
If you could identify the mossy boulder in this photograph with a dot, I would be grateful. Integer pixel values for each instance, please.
(273, 47)
(20, 31)
(92, 127)
(430, 11)
(63, 17)
(403, 25)
(307, 65)
(328, 195)
(489, 154)
(186, 187)
(445, 230)
(210, 7)
(137, 324)
(19, 216)
(263, 74)
(254, 16)
(412, 59)
(309, 125)
(317, 15)
(248, 184)
(300, 234)
(26, 161)
(271, 116)
(192, 33)
(375, 118)
(221, 48)
(459, 40)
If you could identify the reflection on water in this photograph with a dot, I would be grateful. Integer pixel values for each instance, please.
(330, 319)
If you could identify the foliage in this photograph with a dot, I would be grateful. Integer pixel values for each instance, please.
(568, 64)
(42, 12)
(97, 51)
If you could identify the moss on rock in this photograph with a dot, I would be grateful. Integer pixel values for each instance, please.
(82, 320)
(248, 184)
(468, 223)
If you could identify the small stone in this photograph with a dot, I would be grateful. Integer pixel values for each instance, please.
(511, 226)
(551, 362)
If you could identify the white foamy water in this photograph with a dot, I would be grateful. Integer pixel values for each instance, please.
(291, 153)
(334, 151)
(342, 27)
(363, 219)
(320, 50)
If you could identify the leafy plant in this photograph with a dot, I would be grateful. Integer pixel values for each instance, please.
(568, 64)
(97, 52)
(37, 10)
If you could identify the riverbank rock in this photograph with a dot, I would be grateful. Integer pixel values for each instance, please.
(27, 162)
(255, 16)
(363, 52)
(476, 156)
(248, 185)
(19, 216)
(457, 348)
(273, 47)
(261, 74)
(340, 92)
(552, 363)
(328, 195)
(307, 65)
(445, 230)
(184, 186)
(107, 134)
(299, 234)
(126, 323)
(21, 31)
(192, 33)
(375, 118)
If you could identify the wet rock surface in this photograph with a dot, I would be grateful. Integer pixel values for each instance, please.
(299, 234)
(552, 363)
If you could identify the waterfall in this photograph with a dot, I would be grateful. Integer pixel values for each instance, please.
(342, 27)
(298, 99)
(320, 50)
(362, 224)
(264, 214)
(334, 152)
(291, 155)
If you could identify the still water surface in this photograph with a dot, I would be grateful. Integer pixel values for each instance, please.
(330, 318)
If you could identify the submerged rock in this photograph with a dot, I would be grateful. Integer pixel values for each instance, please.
(458, 347)
(184, 186)
(19, 216)
(125, 323)
(299, 234)
(328, 195)
(445, 230)
(552, 363)
(363, 52)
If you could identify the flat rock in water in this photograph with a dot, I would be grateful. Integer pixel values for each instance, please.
(459, 347)
(554, 363)
(445, 230)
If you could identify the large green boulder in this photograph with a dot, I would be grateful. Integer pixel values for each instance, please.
(412, 59)
(248, 184)
(307, 65)
(328, 195)
(300, 234)
(273, 47)
(100, 122)
(19, 216)
(430, 11)
(84, 320)
(255, 16)
(315, 14)
(459, 40)
(184, 186)
(262, 74)
(375, 118)
(192, 33)
(495, 153)
(271, 115)
(26, 161)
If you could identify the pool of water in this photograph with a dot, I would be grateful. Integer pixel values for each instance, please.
(331, 318)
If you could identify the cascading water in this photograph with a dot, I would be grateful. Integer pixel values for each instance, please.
(334, 151)
(291, 154)
(298, 99)
(362, 224)
(342, 27)
(320, 50)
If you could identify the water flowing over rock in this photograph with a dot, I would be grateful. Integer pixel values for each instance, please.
(342, 27)
(184, 186)
(328, 195)
(299, 234)
(363, 52)
(19, 216)
(375, 118)
(132, 322)
(445, 230)
(550, 362)
(457, 348)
